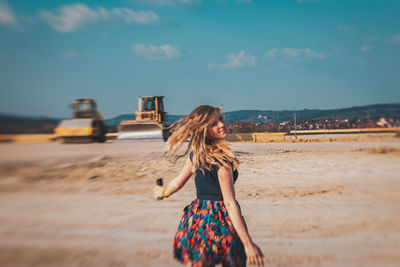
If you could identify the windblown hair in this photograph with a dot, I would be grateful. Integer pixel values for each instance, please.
(206, 150)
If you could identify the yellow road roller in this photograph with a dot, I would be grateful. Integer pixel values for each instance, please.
(86, 126)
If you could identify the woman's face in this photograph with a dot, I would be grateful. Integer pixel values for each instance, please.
(217, 127)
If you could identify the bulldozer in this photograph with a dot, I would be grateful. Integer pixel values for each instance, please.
(150, 123)
(86, 126)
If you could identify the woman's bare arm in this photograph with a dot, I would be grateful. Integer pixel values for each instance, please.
(177, 183)
(225, 177)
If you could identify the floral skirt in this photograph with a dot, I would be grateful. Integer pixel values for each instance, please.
(206, 236)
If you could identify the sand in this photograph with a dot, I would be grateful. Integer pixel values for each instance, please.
(313, 204)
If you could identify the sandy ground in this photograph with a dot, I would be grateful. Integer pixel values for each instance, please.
(313, 204)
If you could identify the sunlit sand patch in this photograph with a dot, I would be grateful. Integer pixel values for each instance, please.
(304, 203)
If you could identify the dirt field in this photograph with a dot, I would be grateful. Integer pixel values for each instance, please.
(313, 204)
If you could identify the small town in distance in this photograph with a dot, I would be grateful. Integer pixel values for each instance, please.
(151, 120)
(312, 124)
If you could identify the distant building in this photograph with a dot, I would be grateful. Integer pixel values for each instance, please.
(383, 122)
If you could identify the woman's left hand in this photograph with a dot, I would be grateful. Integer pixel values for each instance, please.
(254, 254)
(157, 191)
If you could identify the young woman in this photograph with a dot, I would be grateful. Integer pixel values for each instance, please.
(212, 230)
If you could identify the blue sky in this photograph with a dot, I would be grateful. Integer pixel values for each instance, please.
(269, 55)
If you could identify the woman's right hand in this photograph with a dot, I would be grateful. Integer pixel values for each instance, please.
(157, 191)
(254, 254)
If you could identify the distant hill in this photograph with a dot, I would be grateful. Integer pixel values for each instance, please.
(119, 118)
(361, 112)
(21, 124)
(10, 124)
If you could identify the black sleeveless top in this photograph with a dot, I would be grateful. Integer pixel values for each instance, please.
(207, 184)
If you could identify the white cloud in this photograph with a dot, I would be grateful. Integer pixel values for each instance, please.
(345, 28)
(103, 13)
(366, 48)
(272, 52)
(292, 52)
(177, 2)
(239, 60)
(295, 53)
(166, 2)
(395, 39)
(71, 17)
(139, 17)
(7, 15)
(152, 52)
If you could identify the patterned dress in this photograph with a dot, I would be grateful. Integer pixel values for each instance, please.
(206, 236)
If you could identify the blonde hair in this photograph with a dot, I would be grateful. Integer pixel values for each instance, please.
(206, 150)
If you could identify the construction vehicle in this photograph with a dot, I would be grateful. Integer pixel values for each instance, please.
(86, 126)
(150, 123)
